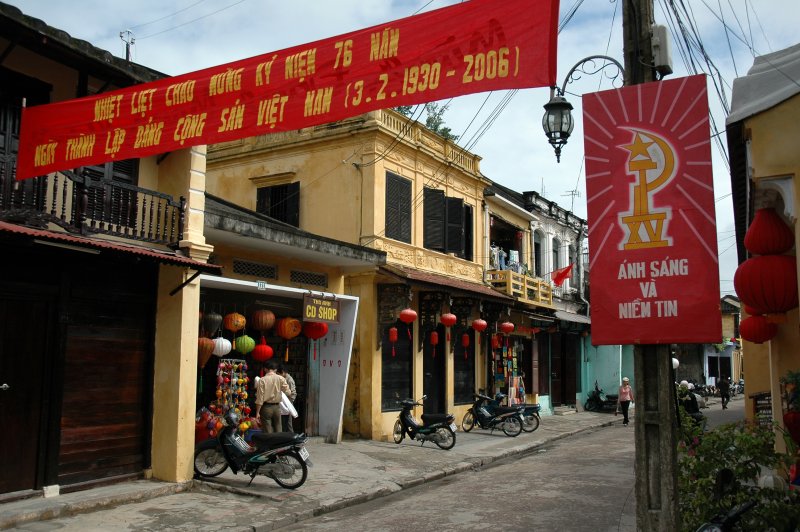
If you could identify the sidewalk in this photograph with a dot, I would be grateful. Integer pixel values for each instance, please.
(345, 474)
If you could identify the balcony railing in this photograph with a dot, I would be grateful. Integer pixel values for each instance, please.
(526, 289)
(85, 206)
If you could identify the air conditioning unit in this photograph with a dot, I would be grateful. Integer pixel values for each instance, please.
(662, 55)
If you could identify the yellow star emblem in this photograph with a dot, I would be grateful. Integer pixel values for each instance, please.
(638, 148)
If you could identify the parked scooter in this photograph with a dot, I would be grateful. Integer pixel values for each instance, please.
(598, 400)
(507, 418)
(725, 520)
(281, 456)
(438, 428)
(530, 413)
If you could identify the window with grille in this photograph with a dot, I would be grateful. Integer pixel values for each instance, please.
(447, 224)
(398, 208)
(310, 278)
(281, 202)
(255, 269)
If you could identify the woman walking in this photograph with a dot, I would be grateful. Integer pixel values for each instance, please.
(624, 398)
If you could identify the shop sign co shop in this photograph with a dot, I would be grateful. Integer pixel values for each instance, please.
(327, 365)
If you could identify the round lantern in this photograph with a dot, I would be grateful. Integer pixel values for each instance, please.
(768, 234)
(768, 283)
(434, 341)
(393, 337)
(222, 346)
(288, 328)
(506, 327)
(495, 341)
(234, 322)
(262, 320)
(465, 344)
(757, 329)
(448, 320)
(245, 344)
(205, 348)
(408, 316)
(262, 352)
(479, 325)
(211, 322)
(315, 331)
(752, 311)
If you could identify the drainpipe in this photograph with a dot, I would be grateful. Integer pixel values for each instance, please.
(580, 269)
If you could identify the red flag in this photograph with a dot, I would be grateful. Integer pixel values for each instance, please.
(559, 276)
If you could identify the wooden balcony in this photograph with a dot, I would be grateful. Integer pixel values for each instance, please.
(84, 206)
(526, 289)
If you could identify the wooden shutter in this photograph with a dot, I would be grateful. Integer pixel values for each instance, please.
(468, 232)
(433, 214)
(398, 208)
(455, 226)
(293, 204)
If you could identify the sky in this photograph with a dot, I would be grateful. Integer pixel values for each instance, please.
(183, 36)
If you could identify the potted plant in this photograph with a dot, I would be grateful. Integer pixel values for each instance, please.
(791, 392)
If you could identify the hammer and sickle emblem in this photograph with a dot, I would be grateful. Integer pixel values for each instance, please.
(646, 227)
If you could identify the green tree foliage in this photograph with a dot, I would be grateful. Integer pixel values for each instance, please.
(434, 120)
(749, 451)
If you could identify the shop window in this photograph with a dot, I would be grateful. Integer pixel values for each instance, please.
(556, 253)
(447, 224)
(464, 367)
(398, 208)
(281, 202)
(396, 373)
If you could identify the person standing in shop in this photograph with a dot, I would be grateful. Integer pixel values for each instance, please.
(625, 398)
(286, 419)
(268, 399)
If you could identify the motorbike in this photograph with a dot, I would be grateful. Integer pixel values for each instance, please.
(281, 456)
(725, 520)
(530, 413)
(438, 428)
(507, 418)
(598, 400)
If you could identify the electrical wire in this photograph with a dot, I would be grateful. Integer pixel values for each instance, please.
(192, 21)
(167, 16)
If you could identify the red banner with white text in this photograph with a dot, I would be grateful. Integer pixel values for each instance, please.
(650, 206)
(474, 46)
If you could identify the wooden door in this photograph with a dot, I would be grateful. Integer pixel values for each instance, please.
(25, 332)
(556, 370)
(433, 371)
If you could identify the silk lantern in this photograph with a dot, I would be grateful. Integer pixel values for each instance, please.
(393, 337)
(768, 234)
(315, 331)
(262, 352)
(768, 283)
(262, 320)
(288, 328)
(205, 348)
(434, 342)
(245, 344)
(234, 322)
(211, 322)
(448, 320)
(408, 316)
(757, 329)
(222, 346)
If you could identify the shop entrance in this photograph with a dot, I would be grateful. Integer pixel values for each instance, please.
(433, 371)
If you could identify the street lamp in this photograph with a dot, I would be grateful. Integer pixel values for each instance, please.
(557, 121)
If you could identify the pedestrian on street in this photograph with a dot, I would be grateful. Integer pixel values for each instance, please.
(624, 398)
(725, 391)
(286, 418)
(268, 399)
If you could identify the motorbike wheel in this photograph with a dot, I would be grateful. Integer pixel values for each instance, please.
(468, 422)
(530, 422)
(398, 434)
(512, 426)
(447, 436)
(300, 470)
(209, 460)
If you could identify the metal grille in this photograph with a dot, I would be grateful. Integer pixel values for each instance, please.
(315, 279)
(255, 269)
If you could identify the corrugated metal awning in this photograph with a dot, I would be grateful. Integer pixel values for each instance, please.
(571, 316)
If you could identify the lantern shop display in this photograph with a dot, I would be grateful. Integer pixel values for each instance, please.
(262, 320)
(222, 346)
(288, 328)
(245, 344)
(205, 348)
(232, 384)
(234, 322)
(315, 330)
(211, 322)
(262, 352)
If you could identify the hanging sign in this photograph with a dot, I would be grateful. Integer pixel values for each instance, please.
(320, 310)
(650, 197)
(475, 46)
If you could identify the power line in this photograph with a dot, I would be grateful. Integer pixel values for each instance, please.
(167, 16)
(192, 21)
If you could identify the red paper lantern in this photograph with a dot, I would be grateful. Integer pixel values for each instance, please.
(408, 316)
(262, 352)
(768, 234)
(752, 311)
(479, 325)
(393, 337)
(465, 344)
(507, 327)
(434, 341)
(768, 283)
(315, 331)
(496, 341)
(757, 329)
(448, 320)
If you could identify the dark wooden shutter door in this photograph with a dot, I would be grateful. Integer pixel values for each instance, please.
(293, 204)
(398, 208)
(433, 214)
(455, 226)
(468, 232)
(263, 198)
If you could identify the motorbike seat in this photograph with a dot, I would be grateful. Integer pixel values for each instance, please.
(275, 439)
(505, 409)
(429, 419)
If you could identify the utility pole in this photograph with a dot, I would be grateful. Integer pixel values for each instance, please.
(656, 463)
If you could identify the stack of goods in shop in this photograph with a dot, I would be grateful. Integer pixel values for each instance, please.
(232, 383)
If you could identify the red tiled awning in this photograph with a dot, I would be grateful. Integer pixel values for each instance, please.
(56, 238)
(450, 282)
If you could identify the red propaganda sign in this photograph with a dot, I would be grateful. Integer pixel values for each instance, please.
(475, 46)
(652, 227)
